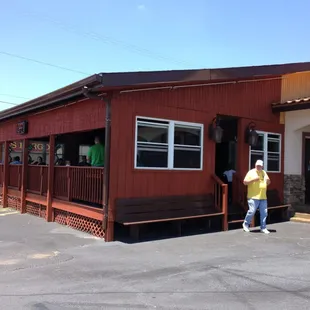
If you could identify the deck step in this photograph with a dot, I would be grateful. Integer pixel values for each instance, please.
(299, 220)
(301, 217)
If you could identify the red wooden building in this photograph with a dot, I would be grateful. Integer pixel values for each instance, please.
(161, 161)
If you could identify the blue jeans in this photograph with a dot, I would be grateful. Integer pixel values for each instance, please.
(253, 205)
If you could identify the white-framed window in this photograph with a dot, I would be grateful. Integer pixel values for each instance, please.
(267, 149)
(83, 151)
(167, 144)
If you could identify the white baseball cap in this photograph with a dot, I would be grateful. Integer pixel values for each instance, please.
(259, 163)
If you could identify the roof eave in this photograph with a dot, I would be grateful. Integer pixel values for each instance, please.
(69, 91)
(290, 107)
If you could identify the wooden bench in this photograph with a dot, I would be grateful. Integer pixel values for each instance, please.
(274, 203)
(136, 211)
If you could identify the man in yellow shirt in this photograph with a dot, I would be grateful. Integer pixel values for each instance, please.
(257, 181)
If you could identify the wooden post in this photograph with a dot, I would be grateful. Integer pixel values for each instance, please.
(24, 176)
(108, 222)
(253, 222)
(224, 206)
(69, 183)
(5, 175)
(50, 185)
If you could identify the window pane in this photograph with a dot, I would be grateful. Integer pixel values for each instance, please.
(187, 158)
(83, 151)
(153, 121)
(152, 156)
(157, 134)
(38, 152)
(273, 146)
(260, 143)
(59, 154)
(184, 135)
(59, 149)
(274, 136)
(273, 162)
(15, 151)
(254, 157)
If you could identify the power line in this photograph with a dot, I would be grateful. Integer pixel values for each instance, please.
(14, 96)
(42, 63)
(109, 40)
(7, 102)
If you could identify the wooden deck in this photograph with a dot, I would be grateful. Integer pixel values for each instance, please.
(76, 198)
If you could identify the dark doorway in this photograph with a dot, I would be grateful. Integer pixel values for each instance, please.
(307, 167)
(226, 151)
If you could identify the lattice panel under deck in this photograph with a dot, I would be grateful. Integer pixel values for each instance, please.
(60, 217)
(42, 211)
(32, 208)
(14, 202)
(79, 222)
(35, 209)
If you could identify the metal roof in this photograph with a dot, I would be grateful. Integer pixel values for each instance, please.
(129, 80)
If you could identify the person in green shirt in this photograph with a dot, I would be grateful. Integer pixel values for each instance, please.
(96, 154)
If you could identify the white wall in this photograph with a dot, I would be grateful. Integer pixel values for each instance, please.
(296, 122)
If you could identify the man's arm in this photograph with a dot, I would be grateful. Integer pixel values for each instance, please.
(267, 178)
(249, 178)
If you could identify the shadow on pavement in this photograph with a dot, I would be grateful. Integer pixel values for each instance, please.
(255, 231)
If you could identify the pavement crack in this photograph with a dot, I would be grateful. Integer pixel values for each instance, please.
(35, 266)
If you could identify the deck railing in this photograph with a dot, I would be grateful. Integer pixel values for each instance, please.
(15, 176)
(220, 192)
(239, 191)
(79, 184)
(37, 179)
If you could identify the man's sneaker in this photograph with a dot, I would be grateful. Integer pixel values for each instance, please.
(265, 231)
(245, 227)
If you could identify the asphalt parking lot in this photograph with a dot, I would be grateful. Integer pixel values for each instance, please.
(47, 266)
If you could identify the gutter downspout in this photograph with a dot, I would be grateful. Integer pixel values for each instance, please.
(106, 185)
(108, 99)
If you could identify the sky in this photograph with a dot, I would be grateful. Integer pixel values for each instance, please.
(46, 45)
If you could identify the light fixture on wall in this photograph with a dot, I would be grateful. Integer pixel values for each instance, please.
(215, 131)
(251, 135)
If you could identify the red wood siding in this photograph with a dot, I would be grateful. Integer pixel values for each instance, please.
(128, 182)
(277, 179)
(82, 116)
(243, 99)
(250, 100)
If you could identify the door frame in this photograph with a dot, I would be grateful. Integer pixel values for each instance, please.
(305, 136)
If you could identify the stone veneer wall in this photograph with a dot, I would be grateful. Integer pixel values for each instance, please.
(294, 189)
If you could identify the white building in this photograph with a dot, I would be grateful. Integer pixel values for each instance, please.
(295, 115)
